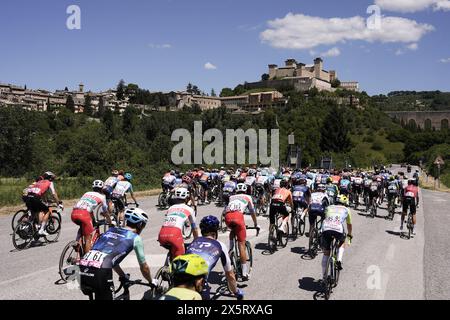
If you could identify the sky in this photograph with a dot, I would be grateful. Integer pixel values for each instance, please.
(162, 45)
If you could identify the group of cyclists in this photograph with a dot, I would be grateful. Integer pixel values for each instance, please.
(314, 193)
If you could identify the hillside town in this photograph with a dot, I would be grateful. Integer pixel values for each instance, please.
(256, 99)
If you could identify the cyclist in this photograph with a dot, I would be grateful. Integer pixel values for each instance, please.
(36, 199)
(319, 202)
(228, 190)
(333, 228)
(393, 190)
(357, 186)
(171, 233)
(109, 251)
(168, 181)
(119, 195)
(205, 181)
(212, 250)
(189, 272)
(282, 203)
(109, 186)
(250, 181)
(332, 190)
(83, 212)
(345, 185)
(234, 219)
(301, 195)
(374, 192)
(411, 201)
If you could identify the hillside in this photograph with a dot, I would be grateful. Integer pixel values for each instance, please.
(413, 101)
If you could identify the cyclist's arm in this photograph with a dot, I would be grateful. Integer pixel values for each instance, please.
(227, 267)
(54, 193)
(251, 207)
(140, 255)
(193, 226)
(349, 223)
(289, 199)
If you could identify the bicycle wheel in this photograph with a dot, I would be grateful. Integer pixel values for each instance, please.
(18, 216)
(328, 278)
(248, 247)
(23, 235)
(164, 281)
(272, 238)
(53, 228)
(223, 225)
(187, 230)
(68, 259)
(311, 244)
(295, 225)
(283, 237)
(161, 200)
(409, 226)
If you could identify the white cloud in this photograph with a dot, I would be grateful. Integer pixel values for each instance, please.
(210, 66)
(333, 52)
(445, 60)
(413, 46)
(298, 31)
(399, 52)
(409, 6)
(160, 46)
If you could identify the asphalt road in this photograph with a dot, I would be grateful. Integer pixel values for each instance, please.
(378, 265)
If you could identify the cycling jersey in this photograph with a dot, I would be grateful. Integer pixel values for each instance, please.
(169, 179)
(411, 191)
(250, 180)
(111, 182)
(300, 193)
(335, 216)
(181, 294)
(262, 179)
(40, 188)
(112, 247)
(121, 188)
(393, 187)
(234, 214)
(358, 181)
(90, 201)
(282, 195)
(229, 186)
(240, 203)
(344, 184)
(212, 251)
(177, 215)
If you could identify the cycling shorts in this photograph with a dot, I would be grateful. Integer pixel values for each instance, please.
(301, 203)
(118, 203)
(275, 208)
(328, 236)
(98, 282)
(35, 204)
(409, 202)
(235, 221)
(107, 190)
(83, 219)
(314, 212)
(171, 238)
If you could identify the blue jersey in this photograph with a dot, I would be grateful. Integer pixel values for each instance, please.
(229, 186)
(112, 247)
(299, 193)
(212, 251)
(344, 184)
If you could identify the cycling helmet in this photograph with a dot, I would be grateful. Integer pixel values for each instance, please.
(283, 183)
(209, 224)
(241, 188)
(49, 175)
(115, 173)
(172, 172)
(128, 176)
(391, 178)
(136, 215)
(181, 194)
(329, 180)
(342, 199)
(189, 266)
(98, 184)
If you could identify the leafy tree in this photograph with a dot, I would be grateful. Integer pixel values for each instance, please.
(101, 107)
(265, 77)
(213, 93)
(227, 92)
(335, 132)
(121, 90)
(88, 105)
(336, 83)
(70, 104)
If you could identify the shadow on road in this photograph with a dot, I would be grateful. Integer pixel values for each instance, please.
(311, 285)
(394, 233)
(264, 247)
(304, 252)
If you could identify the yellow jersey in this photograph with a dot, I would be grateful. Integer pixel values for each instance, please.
(181, 294)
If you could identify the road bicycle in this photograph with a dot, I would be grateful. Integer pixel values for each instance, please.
(277, 237)
(163, 198)
(260, 204)
(74, 251)
(27, 229)
(116, 211)
(125, 285)
(391, 207)
(409, 221)
(235, 255)
(314, 238)
(298, 223)
(373, 208)
(332, 271)
(25, 213)
(356, 199)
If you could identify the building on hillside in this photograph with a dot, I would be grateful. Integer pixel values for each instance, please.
(186, 99)
(350, 85)
(254, 102)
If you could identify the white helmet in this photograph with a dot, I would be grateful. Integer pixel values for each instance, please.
(136, 215)
(98, 184)
(181, 193)
(241, 187)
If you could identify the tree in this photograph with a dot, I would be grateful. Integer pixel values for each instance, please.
(239, 90)
(66, 89)
(189, 88)
(70, 104)
(213, 93)
(121, 90)
(88, 105)
(335, 132)
(196, 90)
(196, 109)
(265, 77)
(226, 92)
(336, 83)
(101, 107)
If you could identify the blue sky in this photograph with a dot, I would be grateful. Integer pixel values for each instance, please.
(164, 44)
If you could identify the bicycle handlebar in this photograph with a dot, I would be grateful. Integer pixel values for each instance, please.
(254, 228)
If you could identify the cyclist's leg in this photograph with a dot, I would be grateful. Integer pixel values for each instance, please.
(326, 248)
(404, 212)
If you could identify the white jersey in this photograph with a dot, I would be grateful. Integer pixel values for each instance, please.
(335, 216)
(262, 179)
(111, 182)
(250, 180)
(276, 184)
(90, 201)
(177, 215)
(318, 197)
(121, 188)
(169, 179)
(358, 181)
(240, 203)
(309, 183)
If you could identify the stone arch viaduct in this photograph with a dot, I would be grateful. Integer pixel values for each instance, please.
(423, 119)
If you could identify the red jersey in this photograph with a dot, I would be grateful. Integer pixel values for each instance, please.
(282, 195)
(411, 191)
(40, 188)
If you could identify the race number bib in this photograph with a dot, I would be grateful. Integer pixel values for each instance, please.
(235, 206)
(410, 194)
(298, 194)
(373, 188)
(333, 223)
(93, 259)
(170, 221)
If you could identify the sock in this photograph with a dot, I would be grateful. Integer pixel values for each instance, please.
(245, 269)
(324, 265)
(340, 253)
(43, 226)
